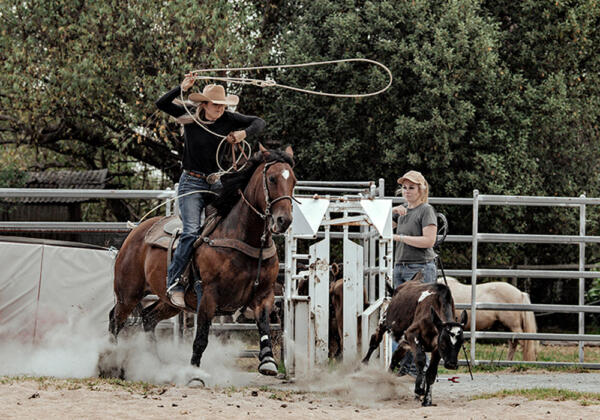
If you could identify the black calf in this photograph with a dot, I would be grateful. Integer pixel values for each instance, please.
(420, 317)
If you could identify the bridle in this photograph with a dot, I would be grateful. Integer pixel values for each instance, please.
(268, 202)
(266, 216)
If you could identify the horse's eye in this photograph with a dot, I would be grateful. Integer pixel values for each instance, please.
(273, 179)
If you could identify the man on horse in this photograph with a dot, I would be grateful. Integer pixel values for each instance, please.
(203, 131)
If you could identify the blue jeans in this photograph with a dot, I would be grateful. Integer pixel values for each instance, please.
(405, 272)
(190, 211)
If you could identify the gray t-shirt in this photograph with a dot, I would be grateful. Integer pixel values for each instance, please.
(412, 224)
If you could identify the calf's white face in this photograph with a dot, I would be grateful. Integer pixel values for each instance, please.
(450, 339)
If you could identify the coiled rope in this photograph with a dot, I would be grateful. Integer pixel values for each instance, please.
(244, 145)
(272, 83)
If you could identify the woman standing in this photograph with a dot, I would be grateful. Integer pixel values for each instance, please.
(415, 232)
(199, 161)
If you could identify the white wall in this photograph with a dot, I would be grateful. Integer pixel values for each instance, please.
(43, 287)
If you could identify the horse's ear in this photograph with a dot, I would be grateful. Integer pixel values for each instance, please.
(436, 319)
(263, 150)
(463, 318)
(289, 151)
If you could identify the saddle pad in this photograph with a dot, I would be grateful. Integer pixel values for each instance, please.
(161, 233)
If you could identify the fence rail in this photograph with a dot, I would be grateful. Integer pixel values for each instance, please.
(369, 188)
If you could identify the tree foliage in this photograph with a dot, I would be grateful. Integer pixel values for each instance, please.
(80, 78)
(498, 96)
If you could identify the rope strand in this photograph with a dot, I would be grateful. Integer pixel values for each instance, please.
(272, 83)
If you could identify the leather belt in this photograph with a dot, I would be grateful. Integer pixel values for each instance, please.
(199, 175)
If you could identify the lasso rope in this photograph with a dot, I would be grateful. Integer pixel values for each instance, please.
(262, 83)
(131, 225)
(272, 83)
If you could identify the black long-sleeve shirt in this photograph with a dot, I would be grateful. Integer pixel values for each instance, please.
(200, 146)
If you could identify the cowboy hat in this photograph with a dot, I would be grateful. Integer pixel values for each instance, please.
(214, 94)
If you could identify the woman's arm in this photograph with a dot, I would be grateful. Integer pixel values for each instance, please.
(425, 241)
(250, 124)
(165, 103)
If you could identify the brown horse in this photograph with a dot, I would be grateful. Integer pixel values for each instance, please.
(254, 202)
(499, 292)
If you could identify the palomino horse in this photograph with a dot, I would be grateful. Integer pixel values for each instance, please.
(255, 202)
(499, 292)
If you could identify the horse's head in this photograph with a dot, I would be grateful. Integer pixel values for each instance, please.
(278, 186)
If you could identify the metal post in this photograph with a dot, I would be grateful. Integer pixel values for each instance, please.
(168, 205)
(176, 202)
(474, 271)
(581, 280)
(288, 336)
(381, 188)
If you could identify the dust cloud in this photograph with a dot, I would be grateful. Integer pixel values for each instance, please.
(367, 385)
(74, 351)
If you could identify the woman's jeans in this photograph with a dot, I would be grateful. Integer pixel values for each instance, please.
(405, 272)
(190, 212)
(402, 274)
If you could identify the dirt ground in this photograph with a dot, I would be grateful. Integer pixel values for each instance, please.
(268, 398)
(31, 388)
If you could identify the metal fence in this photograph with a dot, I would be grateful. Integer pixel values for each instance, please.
(475, 272)
(371, 189)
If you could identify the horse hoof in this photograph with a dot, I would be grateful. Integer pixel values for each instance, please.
(268, 367)
(196, 383)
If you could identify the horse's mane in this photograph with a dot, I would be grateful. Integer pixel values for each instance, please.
(238, 180)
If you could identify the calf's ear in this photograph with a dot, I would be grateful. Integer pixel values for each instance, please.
(463, 318)
(436, 320)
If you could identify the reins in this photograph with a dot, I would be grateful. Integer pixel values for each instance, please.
(264, 216)
(131, 225)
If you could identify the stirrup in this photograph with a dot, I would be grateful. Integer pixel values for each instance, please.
(170, 288)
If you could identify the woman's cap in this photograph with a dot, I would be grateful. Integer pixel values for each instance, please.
(214, 94)
(413, 176)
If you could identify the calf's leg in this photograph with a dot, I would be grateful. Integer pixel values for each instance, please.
(401, 350)
(430, 377)
(420, 361)
(375, 341)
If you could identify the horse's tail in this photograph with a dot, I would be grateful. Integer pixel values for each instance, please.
(530, 347)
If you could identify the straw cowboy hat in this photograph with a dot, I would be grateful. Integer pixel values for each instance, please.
(214, 94)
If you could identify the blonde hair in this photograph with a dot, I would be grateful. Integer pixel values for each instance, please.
(198, 116)
(424, 196)
(423, 188)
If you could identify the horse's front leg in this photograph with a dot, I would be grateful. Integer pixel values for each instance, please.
(206, 312)
(267, 365)
(430, 377)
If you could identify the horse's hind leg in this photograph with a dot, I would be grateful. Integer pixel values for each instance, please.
(153, 314)
(267, 364)
(512, 347)
(118, 315)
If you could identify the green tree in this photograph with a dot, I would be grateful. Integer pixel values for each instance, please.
(80, 78)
